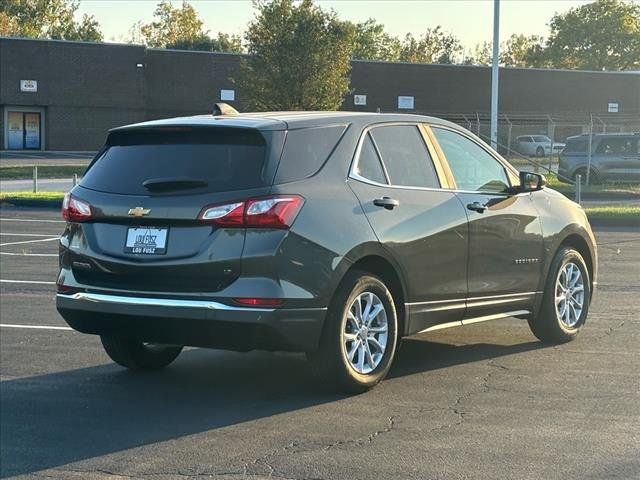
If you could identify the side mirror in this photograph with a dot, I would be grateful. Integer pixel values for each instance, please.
(530, 182)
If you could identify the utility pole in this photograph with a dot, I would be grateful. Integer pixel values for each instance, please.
(494, 74)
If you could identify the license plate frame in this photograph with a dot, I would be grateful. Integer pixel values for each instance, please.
(144, 240)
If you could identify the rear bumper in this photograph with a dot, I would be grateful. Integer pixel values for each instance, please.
(199, 323)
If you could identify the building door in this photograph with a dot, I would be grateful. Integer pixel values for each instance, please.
(24, 130)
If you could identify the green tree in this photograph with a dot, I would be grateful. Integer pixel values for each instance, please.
(172, 25)
(371, 42)
(434, 46)
(517, 50)
(47, 19)
(299, 58)
(603, 35)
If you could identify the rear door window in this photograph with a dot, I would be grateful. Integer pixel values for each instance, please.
(220, 159)
(405, 156)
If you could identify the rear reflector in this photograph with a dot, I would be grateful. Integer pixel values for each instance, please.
(75, 210)
(260, 302)
(278, 211)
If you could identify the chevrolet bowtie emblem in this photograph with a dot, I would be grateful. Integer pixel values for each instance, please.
(139, 211)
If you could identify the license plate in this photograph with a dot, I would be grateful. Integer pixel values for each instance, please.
(146, 240)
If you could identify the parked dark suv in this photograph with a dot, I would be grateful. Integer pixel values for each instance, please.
(614, 157)
(334, 234)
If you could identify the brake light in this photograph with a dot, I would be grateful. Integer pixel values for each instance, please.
(278, 211)
(75, 210)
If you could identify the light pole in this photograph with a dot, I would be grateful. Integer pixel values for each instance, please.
(494, 74)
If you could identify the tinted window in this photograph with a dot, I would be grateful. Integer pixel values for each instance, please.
(306, 150)
(472, 166)
(541, 139)
(618, 146)
(405, 156)
(576, 145)
(524, 139)
(226, 159)
(369, 166)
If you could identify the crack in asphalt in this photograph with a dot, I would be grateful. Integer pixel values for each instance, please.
(264, 462)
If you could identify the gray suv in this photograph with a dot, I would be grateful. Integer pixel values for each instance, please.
(614, 157)
(334, 234)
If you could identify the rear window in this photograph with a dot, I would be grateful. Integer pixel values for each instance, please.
(576, 145)
(221, 159)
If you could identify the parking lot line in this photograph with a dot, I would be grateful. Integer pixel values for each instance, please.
(36, 282)
(25, 234)
(30, 254)
(8, 219)
(43, 327)
(29, 241)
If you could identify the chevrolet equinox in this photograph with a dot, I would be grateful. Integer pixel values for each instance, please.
(330, 233)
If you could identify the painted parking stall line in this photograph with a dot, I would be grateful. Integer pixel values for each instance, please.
(37, 327)
(9, 219)
(29, 241)
(30, 254)
(34, 282)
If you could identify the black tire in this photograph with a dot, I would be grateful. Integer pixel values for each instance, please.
(329, 361)
(136, 355)
(540, 152)
(547, 324)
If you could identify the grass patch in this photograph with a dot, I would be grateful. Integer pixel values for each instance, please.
(44, 171)
(613, 187)
(46, 196)
(613, 212)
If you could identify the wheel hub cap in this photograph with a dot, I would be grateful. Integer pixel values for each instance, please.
(365, 333)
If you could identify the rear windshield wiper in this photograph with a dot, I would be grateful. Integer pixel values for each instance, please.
(177, 183)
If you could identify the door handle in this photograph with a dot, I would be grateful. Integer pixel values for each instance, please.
(386, 202)
(477, 207)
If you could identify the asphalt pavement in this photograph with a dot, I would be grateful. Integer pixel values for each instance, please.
(485, 401)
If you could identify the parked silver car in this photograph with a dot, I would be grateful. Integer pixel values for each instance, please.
(614, 157)
(537, 145)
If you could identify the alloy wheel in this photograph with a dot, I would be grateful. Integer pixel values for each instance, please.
(569, 295)
(365, 333)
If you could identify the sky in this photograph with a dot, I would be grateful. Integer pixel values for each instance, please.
(469, 20)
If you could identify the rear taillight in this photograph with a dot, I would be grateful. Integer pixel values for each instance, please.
(278, 211)
(75, 210)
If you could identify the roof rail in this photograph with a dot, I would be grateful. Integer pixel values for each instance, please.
(224, 109)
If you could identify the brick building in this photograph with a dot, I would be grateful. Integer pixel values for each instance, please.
(60, 95)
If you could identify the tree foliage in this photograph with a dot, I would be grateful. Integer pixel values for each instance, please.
(434, 46)
(183, 29)
(47, 19)
(372, 42)
(603, 35)
(299, 58)
(172, 24)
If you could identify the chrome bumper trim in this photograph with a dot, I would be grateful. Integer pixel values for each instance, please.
(157, 302)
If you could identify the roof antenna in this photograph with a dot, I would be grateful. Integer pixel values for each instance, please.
(224, 109)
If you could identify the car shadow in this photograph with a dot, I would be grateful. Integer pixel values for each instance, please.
(51, 420)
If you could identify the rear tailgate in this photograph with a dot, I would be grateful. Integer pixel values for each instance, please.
(146, 191)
